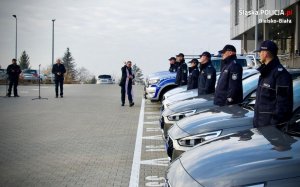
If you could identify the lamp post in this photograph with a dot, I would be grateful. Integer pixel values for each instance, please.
(53, 20)
(16, 52)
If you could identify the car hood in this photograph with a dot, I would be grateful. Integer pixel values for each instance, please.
(175, 91)
(161, 75)
(219, 118)
(246, 157)
(204, 102)
(187, 94)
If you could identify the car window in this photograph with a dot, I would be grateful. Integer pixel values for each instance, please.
(242, 62)
(30, 71)
(217, 63)
(250, 82)
(104, 77)
(296, 90)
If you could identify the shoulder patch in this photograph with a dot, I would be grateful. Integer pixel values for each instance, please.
(280, 69)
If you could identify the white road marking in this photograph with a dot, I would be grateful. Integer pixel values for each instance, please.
(156, 137)
(156, 162)
(153, 129)
(135, 169)
(151, 122)
(152, 113)
(155, 148)
(153, 117)
(155, 181)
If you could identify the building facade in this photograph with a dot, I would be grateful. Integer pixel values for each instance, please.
(277, 20)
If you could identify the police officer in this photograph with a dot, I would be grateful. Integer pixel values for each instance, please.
(193, 75)
(207, 77)
(229, 88)
(274, 95)
(59, 70)
(13, 71)
(182, 71)
(173, 65)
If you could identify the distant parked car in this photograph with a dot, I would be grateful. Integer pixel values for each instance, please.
(29, 75)
(105, 79)
(3, 74)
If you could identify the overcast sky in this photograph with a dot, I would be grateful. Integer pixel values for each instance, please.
(101, 34)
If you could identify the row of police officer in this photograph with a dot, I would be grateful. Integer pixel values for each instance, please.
(274, 95)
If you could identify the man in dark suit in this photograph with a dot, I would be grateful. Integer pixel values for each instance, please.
(59, 70)
(126, 83)
(13, 71)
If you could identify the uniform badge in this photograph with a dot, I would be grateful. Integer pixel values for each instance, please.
(280, 69)
(234, 76)
(266, 85)
(225, 71)
(184, 71)
(209, 76)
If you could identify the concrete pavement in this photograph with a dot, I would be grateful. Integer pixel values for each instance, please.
(83, 139)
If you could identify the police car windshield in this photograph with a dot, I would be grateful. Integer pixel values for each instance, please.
(250, 83)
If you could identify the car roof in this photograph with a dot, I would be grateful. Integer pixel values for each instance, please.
(247, 157)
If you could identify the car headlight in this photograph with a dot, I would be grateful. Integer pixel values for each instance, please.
(179, 116)
(191, 141)
(153, 81)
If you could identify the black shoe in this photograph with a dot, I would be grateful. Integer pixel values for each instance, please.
(56, 96)
(131, 104)
(16, 96)
(122, 104)
(61, 96)
(8, 95)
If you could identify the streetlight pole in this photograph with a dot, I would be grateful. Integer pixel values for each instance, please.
(16, 52)
(52, 45)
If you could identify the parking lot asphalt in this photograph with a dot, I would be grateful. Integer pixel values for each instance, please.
(83, 139)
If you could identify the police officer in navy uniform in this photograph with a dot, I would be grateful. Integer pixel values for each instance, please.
(229, 88)
(13, 71)
(207, 77)
(193, 74)
(274, 95)
(173, 65)
(182, 71)
(59, 70)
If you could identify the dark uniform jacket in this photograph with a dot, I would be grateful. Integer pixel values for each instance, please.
(58, 69)
(124, 76)
(173, 67)
(182, 71)
(13, 71)
(274, 95)
(229, 85)
(207, 79)
(193, 78)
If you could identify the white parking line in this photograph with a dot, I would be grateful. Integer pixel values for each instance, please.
(135, 169)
